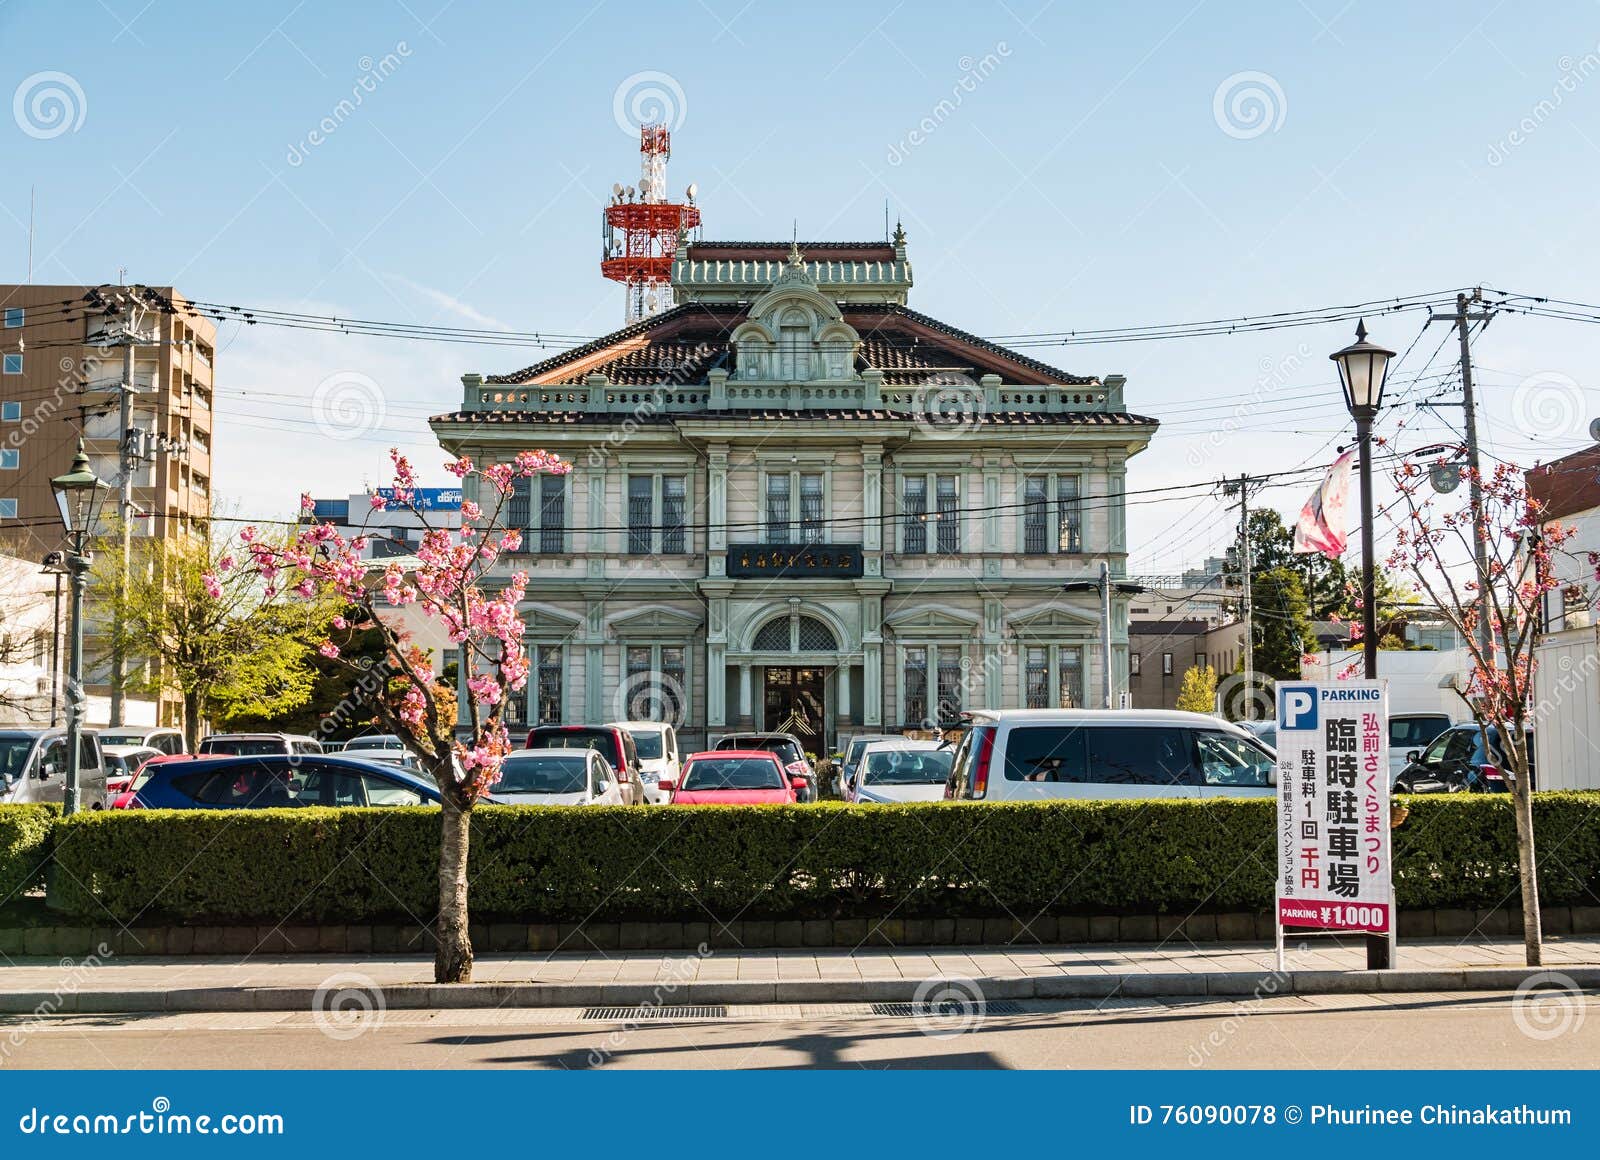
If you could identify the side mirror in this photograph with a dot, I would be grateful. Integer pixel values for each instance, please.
(1413, 754)
(48, 770)
(666, 785)
(1272, 775)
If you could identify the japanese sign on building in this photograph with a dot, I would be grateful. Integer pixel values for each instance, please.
(1333, 806)
(794, 560)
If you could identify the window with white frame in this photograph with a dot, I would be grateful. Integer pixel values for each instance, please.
(915, 681)
(657, 514)
(1053, 676)
(931, 680)
(1133, 664)
(796, 506)
(10, 412)
(10, 457)
(12, 364)
(14, 316)
(655, 682)
(813, 492)
(8, 509)
(948, 500)
(1052, 514)
(778, 508)
(1166, 664)
(916, 515)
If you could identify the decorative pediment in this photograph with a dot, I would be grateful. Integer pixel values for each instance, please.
(932, 620)
(1053, 621)
(547, 621)
(654, 621)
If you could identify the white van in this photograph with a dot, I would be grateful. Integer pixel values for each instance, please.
(659, 759)
(33, 767)
(901, 770)
(1039, 754)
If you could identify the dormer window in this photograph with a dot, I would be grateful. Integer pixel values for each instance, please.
(794, 347)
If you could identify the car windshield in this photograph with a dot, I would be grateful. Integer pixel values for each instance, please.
(243, 746)
(14, 750)
(542, 774)
(1452, 746)
(731, 773)
(1415, 732)
(600, 740)
(648, 742)
(122, 737)
(908, 767)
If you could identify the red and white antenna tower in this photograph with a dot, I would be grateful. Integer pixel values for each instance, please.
(640, 229)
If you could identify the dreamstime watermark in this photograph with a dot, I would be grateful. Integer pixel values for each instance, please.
(347, 405)
(677, 973)
(1202, 1051)
(948, 405)
(973, 73)
(48, 104)
(1548, 1005)
(649, 98)
(76, 971)
(1247, 697)
(1273, 378)
(650, 695)
(45, 409)
(1249, 104)
(1573, 74)
(372, 74)
(1550, 404)
(347, 1005)
(948, 1006)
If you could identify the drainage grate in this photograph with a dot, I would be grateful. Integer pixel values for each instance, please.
(946, 1011)
(633, 1014)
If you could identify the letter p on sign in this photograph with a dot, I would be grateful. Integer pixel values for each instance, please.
(1297, 707)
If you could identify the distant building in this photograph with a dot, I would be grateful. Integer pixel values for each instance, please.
(395, 530)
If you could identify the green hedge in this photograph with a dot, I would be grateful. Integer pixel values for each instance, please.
(540, 864)
(24, 847)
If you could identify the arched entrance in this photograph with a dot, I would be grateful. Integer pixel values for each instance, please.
(794, 696)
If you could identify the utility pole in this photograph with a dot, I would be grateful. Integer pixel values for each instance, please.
(127, 460)
(1462, 319)
(1105, 629)
(1241, 487)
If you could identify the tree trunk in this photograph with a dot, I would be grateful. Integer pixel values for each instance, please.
(1527, 874)
(191, 719)
(452, 960)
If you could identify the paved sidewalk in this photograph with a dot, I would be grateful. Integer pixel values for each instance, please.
(777, 976)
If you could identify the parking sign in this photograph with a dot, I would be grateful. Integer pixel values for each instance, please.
(1333, 806)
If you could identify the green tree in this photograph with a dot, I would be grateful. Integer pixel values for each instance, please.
(1198, 692)
(1281, 624)
(231, 645)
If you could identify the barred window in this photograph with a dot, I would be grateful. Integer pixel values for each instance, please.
(1069, 528)
(673, 512)
(1035, 513)
(773, 636)
(949, 707)
(778, 508)
(552, 514)
(811, 635)
(518, 503)
(1037, 678)
(914, 508)
(547, 706)
(655, 683)
(673, 684)
(1070, 675)
(949, 516)
(640, 513)
(811, 496)
(916, 684)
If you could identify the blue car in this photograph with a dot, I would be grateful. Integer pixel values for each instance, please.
(276, 781)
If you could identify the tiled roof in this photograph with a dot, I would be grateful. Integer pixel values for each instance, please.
(680, 345)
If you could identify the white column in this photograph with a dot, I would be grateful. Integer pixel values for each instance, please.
(842, 679)
(744, 692)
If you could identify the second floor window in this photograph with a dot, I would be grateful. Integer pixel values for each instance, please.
(811, 505)
(552, 513)
(1035, 514)
(1052, 515)
(914, 511)
(949, 515)
(657, 514)
(778, 509)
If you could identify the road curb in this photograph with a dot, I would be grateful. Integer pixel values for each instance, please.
(1153, 984)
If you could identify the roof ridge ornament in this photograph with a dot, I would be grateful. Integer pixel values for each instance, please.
(796, 259)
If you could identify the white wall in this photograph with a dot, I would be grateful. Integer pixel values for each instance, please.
(1418, 681)
(1566, 688)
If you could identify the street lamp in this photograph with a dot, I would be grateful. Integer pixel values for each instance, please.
(79, 494)
(1363, 369)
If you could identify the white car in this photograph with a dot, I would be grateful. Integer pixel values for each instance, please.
(852, 758)
(557, 777)
(902, 771)
(1040, 754)
(33, 767)
(659, 757)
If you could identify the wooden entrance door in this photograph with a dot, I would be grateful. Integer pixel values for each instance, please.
(793, 699)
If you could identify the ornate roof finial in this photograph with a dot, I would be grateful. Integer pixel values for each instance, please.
(796, 259)
(899, 234)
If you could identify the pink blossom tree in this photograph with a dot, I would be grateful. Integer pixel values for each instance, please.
(452, 582)
(1436, 547)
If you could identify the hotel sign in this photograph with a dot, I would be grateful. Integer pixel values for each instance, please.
(794, 561)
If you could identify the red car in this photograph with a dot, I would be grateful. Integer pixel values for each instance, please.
(127, 798)
(735, 777)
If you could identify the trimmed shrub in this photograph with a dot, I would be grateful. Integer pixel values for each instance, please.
(24, 847)
(544, 864)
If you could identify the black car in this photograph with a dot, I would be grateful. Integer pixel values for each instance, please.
(1456, 762)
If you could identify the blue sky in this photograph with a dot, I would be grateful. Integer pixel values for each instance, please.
(1095, 176)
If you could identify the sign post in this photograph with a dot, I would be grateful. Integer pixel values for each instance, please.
(1334, 869)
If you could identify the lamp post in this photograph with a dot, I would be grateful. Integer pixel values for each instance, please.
(1105, 586)
(79, 494)
(55, 564)
(1363, 369)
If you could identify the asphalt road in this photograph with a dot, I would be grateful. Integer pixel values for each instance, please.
(1438, 1031)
